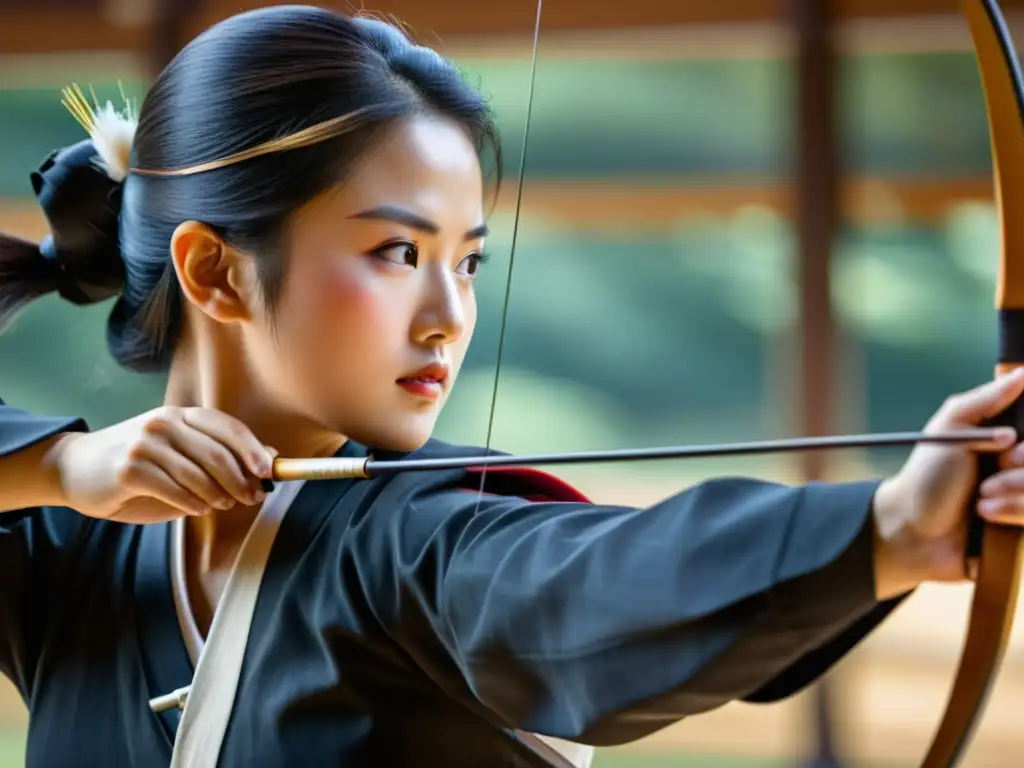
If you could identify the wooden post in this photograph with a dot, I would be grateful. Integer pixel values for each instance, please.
(817, 217)
(169, 30)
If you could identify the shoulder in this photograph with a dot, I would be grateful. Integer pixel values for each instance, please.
(415, 526)
(509, 481)
(411, 509)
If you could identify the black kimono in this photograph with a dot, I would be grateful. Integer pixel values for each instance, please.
(399, 624)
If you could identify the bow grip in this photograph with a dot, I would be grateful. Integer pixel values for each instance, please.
(1010, 357)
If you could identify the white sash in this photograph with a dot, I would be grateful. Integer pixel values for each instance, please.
(211, 697)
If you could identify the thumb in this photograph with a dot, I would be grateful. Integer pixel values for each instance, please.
(1002, 439)
(976, 405)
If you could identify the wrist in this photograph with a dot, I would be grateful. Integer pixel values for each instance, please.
(902, 556)
(34, 476)
(52, 464)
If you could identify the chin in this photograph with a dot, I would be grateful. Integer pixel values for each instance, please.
(401, 438)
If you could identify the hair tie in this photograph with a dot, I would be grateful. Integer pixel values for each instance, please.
(82, 205)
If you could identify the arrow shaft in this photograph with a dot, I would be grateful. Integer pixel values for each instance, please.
(341, 468)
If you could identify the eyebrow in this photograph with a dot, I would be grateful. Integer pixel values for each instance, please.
(409, 219)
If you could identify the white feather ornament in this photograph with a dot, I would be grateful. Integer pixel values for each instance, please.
(112, 131)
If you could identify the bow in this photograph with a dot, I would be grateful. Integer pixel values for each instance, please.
(1000, 548)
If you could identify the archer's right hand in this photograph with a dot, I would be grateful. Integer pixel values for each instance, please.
(167, 463)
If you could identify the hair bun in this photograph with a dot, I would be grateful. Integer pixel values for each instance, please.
(82, 205)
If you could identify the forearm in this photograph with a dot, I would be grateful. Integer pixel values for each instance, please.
(31, 477)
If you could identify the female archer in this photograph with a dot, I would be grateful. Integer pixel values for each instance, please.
(293, 236)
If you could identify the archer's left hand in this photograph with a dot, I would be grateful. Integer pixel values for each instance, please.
(921, 512)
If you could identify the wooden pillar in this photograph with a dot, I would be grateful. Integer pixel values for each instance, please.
(169, 31)
(817, 216)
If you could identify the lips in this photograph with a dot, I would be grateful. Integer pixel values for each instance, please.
(435, 372)
(427, 382)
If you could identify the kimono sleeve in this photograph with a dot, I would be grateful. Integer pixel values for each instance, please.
(602, 624)
(31, 542)
(20, 429)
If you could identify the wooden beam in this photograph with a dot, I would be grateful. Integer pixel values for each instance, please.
(666, 203)
(24, 32)
(653, 204)
(464, 17)
(39, 28)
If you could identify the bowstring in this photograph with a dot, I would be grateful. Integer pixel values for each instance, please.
(512, 253)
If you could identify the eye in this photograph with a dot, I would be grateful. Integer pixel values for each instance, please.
(403, 254)
(470, 266)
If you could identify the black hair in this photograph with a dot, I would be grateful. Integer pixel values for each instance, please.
(255, 77)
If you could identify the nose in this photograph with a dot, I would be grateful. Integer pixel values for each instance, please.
(442, 317)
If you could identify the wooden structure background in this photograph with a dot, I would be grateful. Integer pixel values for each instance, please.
(140, 26)
(892, 699)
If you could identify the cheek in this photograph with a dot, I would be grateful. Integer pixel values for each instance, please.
(339, 313)
(345, 296)
(339, 298)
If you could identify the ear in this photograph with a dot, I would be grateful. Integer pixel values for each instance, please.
(218, 280)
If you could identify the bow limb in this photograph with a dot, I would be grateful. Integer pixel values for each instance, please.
(998, 579)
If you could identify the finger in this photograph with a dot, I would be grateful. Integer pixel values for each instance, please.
(151, 481)
(1015, 457)
(184, 471)
(235, 435)
(1004, 510)
(1007, 482)
(988, 400)
(217, 461)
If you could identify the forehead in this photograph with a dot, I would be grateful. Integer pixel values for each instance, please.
(425, 163)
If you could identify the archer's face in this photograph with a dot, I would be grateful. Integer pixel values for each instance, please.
(378, 307)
